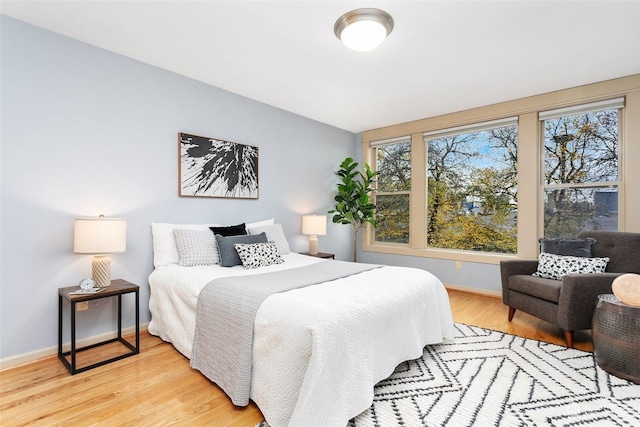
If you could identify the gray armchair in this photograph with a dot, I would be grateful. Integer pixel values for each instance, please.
(569, 303)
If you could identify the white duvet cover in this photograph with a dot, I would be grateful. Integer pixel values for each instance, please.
(318, 351)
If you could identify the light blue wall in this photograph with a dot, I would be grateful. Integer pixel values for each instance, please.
(88, 132)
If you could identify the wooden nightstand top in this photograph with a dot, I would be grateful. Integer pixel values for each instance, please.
(324, 255)
(117, 287)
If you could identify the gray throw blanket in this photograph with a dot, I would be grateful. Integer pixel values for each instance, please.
(227, 307)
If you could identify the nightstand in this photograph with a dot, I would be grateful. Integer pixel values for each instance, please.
(323, 255)
(116, 289)
(616, 337)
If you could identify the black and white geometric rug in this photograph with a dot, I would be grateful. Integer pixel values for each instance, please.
(489, 378)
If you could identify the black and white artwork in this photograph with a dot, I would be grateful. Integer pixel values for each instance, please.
(210, 167)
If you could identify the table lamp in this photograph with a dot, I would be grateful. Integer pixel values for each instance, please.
(100, 236)
(314, 226)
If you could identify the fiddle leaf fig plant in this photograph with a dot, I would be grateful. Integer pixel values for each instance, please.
(353, 201)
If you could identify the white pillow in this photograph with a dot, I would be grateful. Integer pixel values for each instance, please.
(262, 223)
(165, 251)
(196, 247)
(274, 234)
(551, 266)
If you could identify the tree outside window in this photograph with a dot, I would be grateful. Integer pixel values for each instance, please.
(581, 175)
(472, 189)
(458, 196)
(393, 192)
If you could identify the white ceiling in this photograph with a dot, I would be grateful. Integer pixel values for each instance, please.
(442, 56)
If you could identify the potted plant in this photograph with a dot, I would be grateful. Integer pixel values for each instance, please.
(353, 201)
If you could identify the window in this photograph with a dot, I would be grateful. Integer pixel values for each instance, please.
(580, 168)
(477, 189)
(393, 190)
(472, 188)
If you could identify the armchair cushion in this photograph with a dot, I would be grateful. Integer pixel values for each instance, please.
(546, 289)
(568, 247)
(552, 266)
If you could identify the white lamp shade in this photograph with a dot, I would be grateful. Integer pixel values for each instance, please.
(100, 235)
(314, 225)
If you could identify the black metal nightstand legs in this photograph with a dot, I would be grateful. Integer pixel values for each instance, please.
(118, 288)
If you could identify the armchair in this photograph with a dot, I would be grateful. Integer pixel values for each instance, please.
(569, 303)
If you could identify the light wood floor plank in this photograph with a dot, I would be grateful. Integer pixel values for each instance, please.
(158, 388)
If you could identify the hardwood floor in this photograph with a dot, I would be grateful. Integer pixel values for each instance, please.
(158, 388)
(491, 313)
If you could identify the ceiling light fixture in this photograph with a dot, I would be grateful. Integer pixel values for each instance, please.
(363, 29)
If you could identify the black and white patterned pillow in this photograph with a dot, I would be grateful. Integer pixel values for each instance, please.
(196, 247)
(254, 255)
(275, 234)
(551, 266)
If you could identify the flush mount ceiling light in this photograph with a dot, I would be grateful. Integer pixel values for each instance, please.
(363, 29)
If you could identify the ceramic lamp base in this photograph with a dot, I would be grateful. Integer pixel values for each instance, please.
(101, 271)
(313, 245)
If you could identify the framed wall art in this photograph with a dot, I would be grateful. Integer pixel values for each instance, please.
(210, 167)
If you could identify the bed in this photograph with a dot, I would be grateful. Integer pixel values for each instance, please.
(317, 351)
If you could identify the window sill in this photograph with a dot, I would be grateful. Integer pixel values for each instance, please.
(447, 254)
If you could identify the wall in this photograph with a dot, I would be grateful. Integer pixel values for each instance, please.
(88, 132)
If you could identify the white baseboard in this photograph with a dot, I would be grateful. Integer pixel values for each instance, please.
(486, 292)
(22, 359)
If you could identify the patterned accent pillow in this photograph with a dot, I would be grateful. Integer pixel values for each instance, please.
(254, 255)
(274, 234)
(196, 247)
(552, 266)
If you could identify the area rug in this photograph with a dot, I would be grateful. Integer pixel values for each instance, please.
(489, 378)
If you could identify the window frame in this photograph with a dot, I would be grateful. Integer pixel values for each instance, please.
(464, 130)
(374, 166)
(590, 107)
(529, 172)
